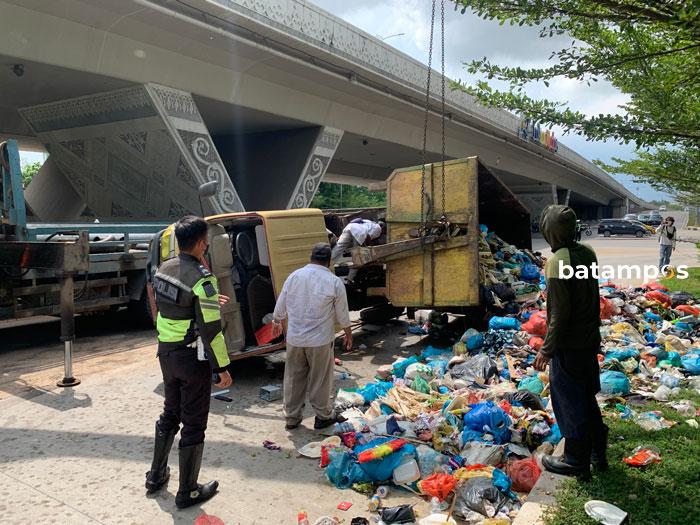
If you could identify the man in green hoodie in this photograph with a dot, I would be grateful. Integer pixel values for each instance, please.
(572, 344)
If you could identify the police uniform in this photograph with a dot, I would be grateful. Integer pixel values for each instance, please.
(190, 346)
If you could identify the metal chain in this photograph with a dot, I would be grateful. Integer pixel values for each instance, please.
(425, 122)
(442, 29)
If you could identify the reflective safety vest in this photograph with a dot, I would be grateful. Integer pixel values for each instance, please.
(187, 297)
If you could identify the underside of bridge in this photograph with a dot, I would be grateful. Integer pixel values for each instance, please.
(167, 104)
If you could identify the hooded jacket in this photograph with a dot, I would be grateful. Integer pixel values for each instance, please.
(573, 301)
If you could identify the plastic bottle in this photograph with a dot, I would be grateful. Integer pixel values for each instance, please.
(302, 518)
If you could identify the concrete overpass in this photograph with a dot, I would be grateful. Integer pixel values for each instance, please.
(138, 101)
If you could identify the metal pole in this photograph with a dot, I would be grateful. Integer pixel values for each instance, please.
(67, 330)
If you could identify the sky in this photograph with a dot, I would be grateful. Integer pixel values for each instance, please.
(469, 37)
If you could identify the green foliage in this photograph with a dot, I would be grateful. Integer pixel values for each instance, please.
(672, 170)
(647, 49)
(28, 172)
(330, 196)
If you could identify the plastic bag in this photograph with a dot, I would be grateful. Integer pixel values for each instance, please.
(399, 367)
(400, 514)
(678, 298)
(372, 391)
(418, 369)
(643, 456)
(429, 460)
(688, 309)
(536, 324)
(488, 417)
(529, 272)
(621, 354)
(614, 383)
(478, 495)
(524, 473)
(421, 385)
(383, 469)
(535, 343)
(525, 398)
(349, 398)
(607, 308)
(531, 383)
(343, 471)
(504, 323)
(660, 297)
(691, 363)
(477, 369)
(438, 485)
(480, 453)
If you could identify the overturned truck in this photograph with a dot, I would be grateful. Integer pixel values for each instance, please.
(429, 257)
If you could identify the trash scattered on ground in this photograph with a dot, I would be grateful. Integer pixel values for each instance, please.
(208, 519)
(604, 512)
(643, 456)
(271, 445)
(466, 422)
(271, 392)
(344, 505)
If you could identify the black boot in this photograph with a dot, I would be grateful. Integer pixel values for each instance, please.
(190, 492)
(158, 476)
(599, 458)
(574, 462)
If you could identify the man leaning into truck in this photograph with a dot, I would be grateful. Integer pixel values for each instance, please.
(190, 346)
(313, 300)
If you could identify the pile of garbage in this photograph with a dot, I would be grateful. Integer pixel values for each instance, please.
(465, 426)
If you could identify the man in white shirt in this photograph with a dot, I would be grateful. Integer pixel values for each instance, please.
(667, 242)
(312, 300)
(355, 234)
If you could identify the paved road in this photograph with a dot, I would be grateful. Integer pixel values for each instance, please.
(626, 250)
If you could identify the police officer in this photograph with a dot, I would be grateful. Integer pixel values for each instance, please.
(190, 346)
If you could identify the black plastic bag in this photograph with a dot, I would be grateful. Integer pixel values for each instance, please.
(400, 514)
(680, 298)
(479, 495)
(479, 368)
(525, 398)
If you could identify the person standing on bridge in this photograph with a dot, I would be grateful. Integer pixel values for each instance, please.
(356, 233)
(667, 242)
(190, 346)
(312, 300)
(572, 344)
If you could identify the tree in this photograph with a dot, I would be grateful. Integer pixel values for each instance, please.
(28, 172)
(647, 49)
(331, 196)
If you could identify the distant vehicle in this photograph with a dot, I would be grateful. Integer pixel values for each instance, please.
(662, 208)
(655, 213)
(647, 227)
(651, 220)
(608, 227)
(630, 217)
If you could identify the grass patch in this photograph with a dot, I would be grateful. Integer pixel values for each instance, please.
(667, 493)
(691, 284)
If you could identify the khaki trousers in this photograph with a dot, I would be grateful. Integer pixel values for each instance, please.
(308, 369)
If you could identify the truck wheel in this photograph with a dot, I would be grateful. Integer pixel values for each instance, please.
(380, 314)
(606, 233)
(140, 311)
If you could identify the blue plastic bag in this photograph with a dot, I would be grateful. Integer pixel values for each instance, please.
(622, 354)
(691, 362)
(612, 382)
(439, 367)
(554, 436)
(675, 358)
(343, 471)
(488, 417)
(532, 383)
(503, 483)
(431, 353)
(475, 342)
(504, 323)
(399, 369)
(382, 469)
(372, 391)
(529, 272)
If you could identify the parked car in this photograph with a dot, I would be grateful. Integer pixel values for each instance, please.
(608, 227)
(651, 220)
(630, 217)
(650, 229)
(662, 208)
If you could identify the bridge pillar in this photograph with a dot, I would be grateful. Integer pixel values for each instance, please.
(134, 153)
(279, 169)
